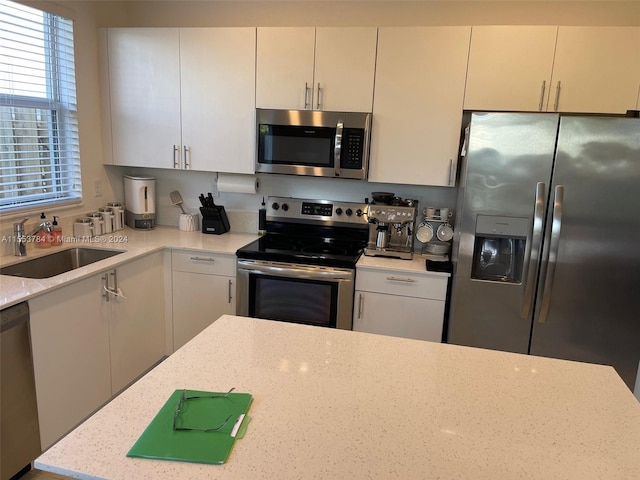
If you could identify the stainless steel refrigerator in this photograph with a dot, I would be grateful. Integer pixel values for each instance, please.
(547, 247)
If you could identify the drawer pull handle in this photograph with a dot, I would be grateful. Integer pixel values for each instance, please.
(202, 259)
(396, 279)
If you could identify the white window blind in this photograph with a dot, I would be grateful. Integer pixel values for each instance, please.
(39, 154)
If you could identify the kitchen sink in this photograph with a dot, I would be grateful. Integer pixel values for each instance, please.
(59, 262)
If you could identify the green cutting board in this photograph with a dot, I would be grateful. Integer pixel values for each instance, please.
(161, 441)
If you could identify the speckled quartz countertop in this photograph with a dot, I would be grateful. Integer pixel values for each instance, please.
(134, 242)
(416, 265)
(141, 242)
(334, 404)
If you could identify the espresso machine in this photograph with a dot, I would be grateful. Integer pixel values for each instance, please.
(391, 229)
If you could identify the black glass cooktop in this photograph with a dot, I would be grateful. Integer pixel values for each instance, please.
(307, 245)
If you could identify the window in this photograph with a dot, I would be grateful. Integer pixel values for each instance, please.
(39, 154)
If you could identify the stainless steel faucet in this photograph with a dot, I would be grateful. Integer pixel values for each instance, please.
(20, 249)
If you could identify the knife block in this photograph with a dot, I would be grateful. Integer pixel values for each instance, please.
(214, 220)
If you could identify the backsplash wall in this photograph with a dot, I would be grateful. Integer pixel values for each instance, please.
(242, 208)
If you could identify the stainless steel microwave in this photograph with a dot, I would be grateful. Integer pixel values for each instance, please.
(315, 143)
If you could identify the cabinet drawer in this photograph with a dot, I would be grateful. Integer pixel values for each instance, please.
(203, 262)
(402, 283)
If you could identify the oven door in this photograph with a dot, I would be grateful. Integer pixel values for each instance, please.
(295, 293)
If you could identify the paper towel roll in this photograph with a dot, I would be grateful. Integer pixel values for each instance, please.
(228, 182)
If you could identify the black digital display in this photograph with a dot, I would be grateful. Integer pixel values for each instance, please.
(322, 209)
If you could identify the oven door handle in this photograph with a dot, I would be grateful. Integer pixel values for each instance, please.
(296, 271)
(337, 150)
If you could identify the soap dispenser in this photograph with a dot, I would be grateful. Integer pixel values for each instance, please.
(262, 219)
(57, 232)
(42, 237)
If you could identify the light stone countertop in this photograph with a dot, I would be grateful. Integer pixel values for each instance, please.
(136, 243)
(416, 265)
(334, 404)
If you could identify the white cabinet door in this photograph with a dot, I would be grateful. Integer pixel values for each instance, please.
(217, 68)
(137, 322)
(417, 108)
(596, 69)
(198, 300)
(71, 356)
(326, 68)
(510, 67)
(397, 316)
(144, 90)
(345, 62)
(284, 67)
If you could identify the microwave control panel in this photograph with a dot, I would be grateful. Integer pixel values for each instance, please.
(352, 148)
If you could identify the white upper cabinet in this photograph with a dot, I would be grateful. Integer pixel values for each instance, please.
(596, 69)
(316, 68)
(218, 87)
(549, 68)
(284, 67)
(182, 98)
(510, 68)
(345, 69)
(144, 90)
(417, 110)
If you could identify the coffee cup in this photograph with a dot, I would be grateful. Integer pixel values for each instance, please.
(445, 213)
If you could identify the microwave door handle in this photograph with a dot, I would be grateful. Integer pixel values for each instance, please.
(337, 152)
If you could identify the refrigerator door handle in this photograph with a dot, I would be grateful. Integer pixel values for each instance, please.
(553, 253)
(534, 250)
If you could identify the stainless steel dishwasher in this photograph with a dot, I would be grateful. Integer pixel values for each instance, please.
(20, 433)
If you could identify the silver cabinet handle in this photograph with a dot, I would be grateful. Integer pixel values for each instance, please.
(176, 162)
(360, 306)
(185, 157)
(318, 102)
(307, 103)
(552, 260)
(557, 102)
(544, 87)
(451, 178)
(115, 291)
(397, 279)
(202, 259)
(230, 297)
(107, 291)
(337, 151)
(533, 250)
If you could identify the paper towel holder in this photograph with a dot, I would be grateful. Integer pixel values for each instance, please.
(236, 183)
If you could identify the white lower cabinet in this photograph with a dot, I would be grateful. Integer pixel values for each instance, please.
(85, 349)
(136, 327)
(400, 304)
(203, 290)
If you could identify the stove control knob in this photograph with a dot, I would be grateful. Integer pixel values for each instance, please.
(338, 211)
(359, 212)
(285, 207)
(349, 212)
(275, 206)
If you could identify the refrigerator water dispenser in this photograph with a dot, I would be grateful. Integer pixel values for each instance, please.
(499, 248)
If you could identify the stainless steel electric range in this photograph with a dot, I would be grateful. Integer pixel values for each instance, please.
(303, 269)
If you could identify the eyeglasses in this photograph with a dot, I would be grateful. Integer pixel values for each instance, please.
(184, 399)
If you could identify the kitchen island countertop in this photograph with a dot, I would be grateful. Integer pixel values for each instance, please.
(336, 404)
